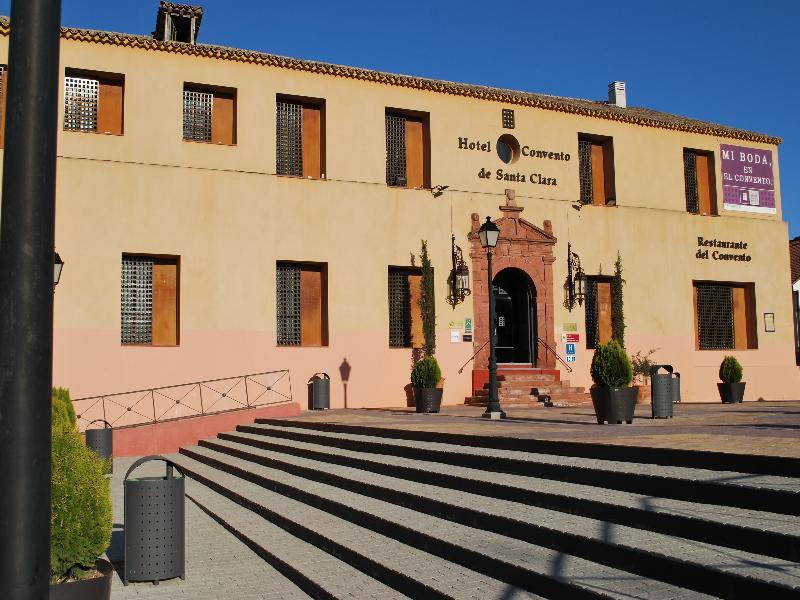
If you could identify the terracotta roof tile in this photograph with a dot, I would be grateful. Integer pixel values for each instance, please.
(602, 110)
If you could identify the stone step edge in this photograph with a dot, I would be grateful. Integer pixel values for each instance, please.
(673, 457)
(703, 491)
(297, 577)
(644, 563)
(747, 539)
(509, 573)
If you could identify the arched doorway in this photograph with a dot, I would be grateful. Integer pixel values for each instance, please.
(515, 306)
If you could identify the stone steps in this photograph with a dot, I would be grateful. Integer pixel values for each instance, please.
(476, 516)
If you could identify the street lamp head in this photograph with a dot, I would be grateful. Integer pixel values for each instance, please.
(58, 264)
(488, 233)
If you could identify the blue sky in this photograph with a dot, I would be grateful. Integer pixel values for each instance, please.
(735, 62)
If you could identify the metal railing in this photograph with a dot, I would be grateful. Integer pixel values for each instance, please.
(471, 358)
(185, 400)
(550, 348)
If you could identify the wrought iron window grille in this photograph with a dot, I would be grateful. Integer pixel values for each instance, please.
(585, 170)
(288, 304)
(459, 276)
(137, 300)
(289, 138)
(715, 322)
(576, 278)
(508, 118)
(690, 182)
(396, 150)
(81, 103)
(399, 309)
(197, 115)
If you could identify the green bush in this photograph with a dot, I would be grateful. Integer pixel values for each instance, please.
(730, 371)
(81, 515)
(63, 411)
(611, 366)
(426, 373)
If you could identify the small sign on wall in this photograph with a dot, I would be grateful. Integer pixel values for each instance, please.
(769, 322)
(570, 337)
(455, 336)
(467, 337)
(571, 358)
(570, 327)
(570, 349)
(468, 325)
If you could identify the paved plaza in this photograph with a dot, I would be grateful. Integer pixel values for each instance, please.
(281, 511)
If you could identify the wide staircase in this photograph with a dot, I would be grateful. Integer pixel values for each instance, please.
(528, 387)
(353, 511)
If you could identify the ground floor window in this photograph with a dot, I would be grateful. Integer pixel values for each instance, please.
(405, 318)
(725, 316)
(302, 304)
(599, 311)
(149, 299)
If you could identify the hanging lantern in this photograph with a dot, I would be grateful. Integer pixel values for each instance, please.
(459, 276)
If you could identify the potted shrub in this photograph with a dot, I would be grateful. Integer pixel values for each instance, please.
(642, 363)
(425, 378)
(731, 390)
(81, 516)
(614, 401)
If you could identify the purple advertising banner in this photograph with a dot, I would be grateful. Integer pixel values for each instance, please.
(747, 180)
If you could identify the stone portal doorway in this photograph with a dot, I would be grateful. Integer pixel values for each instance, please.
(515, 303)
(522, 267)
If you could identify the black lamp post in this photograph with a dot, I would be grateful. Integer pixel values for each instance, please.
(488, 234)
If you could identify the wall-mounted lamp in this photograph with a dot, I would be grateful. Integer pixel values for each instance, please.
(58, 264)
(574, 285)
(459, 276)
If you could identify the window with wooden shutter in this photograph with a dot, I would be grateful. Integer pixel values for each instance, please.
(407, 150)
(596, 170)
(599, 311)
(149, 300)
(299, 146)
(302, 304)
(93, 102)
(725, 317)
(209, 114)
(405, 317)
(699, 182)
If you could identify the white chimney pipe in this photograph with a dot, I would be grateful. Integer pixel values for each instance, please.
(616, 94)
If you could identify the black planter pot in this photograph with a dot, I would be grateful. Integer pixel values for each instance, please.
(428, 400)
(614, 405)
(98, 588)
(731, 393)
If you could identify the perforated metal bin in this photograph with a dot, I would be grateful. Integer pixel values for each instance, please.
(661, 391)
(155, 545)
(101, 441)
(320, 387)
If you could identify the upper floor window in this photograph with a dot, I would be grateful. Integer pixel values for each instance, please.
(699, 182)
(405, 317)
(209, 114)
(725, 316)
(407, 149)
(299, 126)
(93, 102)
(596, 170)
(149, 300)
(302, 304)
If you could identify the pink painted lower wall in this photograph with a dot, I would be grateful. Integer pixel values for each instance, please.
(167, 437)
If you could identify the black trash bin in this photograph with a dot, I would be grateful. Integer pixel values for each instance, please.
(676, 387)
(102, 441)
(661, 391)
(320, 390)
(155, 545)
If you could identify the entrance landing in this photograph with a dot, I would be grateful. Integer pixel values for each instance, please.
(751, 428)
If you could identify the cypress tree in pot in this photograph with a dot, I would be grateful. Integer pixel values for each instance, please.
(614, 401)
(731, 390)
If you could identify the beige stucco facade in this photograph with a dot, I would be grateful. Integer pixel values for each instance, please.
(229, 217)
